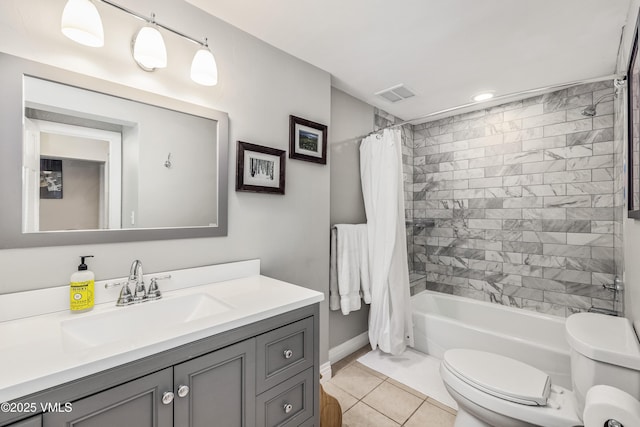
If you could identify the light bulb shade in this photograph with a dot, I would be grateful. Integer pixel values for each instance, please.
(81, 23)
(484, 96)
(204, 69)
(149, 50)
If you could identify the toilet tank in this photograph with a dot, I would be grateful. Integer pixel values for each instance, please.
(604, 350)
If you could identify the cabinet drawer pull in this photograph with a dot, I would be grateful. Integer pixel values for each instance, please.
(288, 354)
(167, 397)
(183, 390)
(288, 407)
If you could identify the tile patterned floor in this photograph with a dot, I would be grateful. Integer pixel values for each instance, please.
(370, 399)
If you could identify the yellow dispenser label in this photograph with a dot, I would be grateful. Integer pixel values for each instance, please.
(81, 295)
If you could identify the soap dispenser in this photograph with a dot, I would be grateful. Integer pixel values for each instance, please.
(81, 288)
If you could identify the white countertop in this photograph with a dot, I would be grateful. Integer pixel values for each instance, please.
(36, 354)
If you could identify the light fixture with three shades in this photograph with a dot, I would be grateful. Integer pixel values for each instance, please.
(81, 23)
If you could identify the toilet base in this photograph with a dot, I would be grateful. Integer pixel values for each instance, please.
(471, 414)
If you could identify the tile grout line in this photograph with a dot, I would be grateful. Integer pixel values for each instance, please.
(384, 415)
(414, 412)
(369, 371)
(423, 400)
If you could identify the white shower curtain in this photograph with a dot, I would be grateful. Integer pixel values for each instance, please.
(390, 325)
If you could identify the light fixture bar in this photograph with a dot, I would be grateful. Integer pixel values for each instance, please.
(154, 22)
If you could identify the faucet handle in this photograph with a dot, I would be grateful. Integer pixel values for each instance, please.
(616, 286)
(139, 292)
(114, 284)
(125, 297)
(154, 291)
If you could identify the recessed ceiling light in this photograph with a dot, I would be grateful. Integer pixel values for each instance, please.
(484, 96)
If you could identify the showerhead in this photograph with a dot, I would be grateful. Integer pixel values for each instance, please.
(590, 111)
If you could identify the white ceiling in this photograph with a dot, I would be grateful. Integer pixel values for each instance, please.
(444, 50)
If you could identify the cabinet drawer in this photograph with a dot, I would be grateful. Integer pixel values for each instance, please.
(284, 352)
(287, 404)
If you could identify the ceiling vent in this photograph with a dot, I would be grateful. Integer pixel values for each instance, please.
(396, 93)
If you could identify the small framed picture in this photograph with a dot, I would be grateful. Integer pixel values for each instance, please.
(260, 169)
(50, 178)
(307, 140)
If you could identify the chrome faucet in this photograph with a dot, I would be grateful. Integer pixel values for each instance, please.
(615, 287)
(136, 279)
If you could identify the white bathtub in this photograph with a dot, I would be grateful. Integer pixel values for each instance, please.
(444, 321)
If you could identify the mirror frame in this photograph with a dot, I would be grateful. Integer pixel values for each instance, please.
(633, 84)
(12, 70)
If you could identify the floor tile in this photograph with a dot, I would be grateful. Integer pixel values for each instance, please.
(362, 415)
(393, 402)
(369, 370)
(338, 366)
(407, 388)
(343, 363)
(442, 406)
(345, 399)
(415, 369)
(355, 381)
(432, 416)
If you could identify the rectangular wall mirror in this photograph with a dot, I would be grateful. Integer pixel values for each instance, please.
(90, 161)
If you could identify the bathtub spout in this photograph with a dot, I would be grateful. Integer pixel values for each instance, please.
(603, 311)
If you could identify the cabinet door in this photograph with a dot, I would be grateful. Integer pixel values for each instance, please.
(221, 388)
(136, 403)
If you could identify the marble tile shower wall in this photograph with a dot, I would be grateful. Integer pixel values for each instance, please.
(523, 200)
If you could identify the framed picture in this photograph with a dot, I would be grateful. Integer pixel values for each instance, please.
(50, 178)
(260, 169)
(307, 140)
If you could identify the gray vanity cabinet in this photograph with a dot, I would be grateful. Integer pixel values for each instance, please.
(265, 374)
(215, 389)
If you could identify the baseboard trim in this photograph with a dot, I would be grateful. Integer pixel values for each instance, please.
(325, 372)
(341, 351)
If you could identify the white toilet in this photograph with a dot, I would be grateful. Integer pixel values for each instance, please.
(496, 391)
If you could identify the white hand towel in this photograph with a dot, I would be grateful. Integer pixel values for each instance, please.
(334, 293)
(352, 266)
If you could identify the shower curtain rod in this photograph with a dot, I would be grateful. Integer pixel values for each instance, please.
(498, 98)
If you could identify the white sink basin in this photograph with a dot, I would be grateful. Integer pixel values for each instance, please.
(140, 320)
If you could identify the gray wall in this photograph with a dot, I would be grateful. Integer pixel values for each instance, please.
(183, 195)
(350, 119)
(522, 196)
(79, 208)
(259, 87)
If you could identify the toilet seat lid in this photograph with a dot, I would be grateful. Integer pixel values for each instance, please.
(499, 376)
